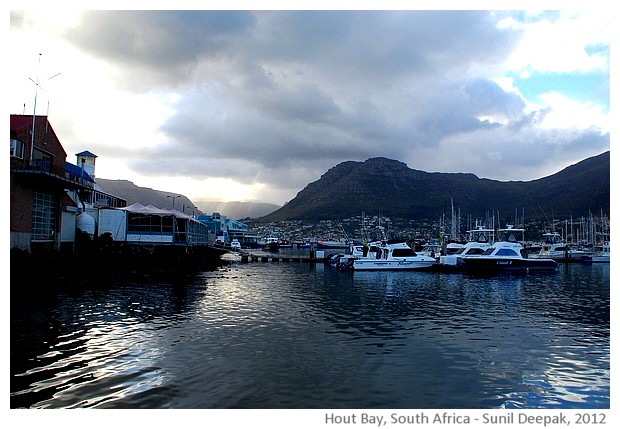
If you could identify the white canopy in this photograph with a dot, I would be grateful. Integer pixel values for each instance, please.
(152, 210)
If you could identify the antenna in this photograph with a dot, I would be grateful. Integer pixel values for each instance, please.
(34, 113)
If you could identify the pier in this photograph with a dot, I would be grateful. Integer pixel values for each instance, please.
(275, 257)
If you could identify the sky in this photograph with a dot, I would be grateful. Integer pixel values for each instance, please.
(253, 104)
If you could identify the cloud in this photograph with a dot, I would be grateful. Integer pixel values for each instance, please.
(276, 98)
(152, 49)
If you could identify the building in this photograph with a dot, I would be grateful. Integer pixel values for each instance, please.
(150, 225)
(47, 194)
(224, 228)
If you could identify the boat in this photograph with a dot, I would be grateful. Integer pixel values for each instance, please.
(271, 243)
(479, 241)
(555, 248)
(507, 255)
(430, 249)
(453, 247)
(324, 244)
(391, 256)
(356, 251)
(601, 253)
(235, 246)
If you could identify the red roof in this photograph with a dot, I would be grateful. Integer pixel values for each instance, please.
(21, 122)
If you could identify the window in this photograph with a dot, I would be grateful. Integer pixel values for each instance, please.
(149, 224)
(43, 216)
(506, 252)
(17, 148)
(475, 251)
(42, 160)
(403, 252)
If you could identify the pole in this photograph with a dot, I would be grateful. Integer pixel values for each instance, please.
(34, 113)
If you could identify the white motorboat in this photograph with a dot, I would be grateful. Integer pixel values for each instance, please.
(235, 246)
(478, 244)
(271, 243)
(331, 244)
(602, 253)
(356, 251)
(431, 249)
(508, 255)
(470, 249)
(391, 256)
(555, 248)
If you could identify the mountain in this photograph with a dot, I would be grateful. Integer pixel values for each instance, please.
(398, 191)
(163, 199)
(237, 209)
(145, 196)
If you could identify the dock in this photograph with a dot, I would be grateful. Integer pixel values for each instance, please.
(275, 257)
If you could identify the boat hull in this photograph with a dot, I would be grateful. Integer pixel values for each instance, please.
(490, 265)
(378, 264)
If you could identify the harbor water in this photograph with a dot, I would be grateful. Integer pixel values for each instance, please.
(304, 335)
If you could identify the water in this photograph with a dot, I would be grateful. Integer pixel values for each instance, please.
(299, 335)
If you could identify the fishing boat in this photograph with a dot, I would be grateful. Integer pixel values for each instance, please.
(480, 240)
(601, 253)
(555, 248)
(391, 256)
(356, 251)
(507, 255)
(430, 249)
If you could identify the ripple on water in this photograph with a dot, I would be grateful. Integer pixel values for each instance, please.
(304, 336)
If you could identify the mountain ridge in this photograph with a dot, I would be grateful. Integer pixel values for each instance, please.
(351, 187)
(136, 194)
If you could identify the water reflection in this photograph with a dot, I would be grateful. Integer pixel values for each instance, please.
(300, 335)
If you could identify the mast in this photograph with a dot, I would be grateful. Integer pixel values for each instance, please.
(34, 112)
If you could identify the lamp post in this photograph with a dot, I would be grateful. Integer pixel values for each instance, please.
(174, 197)
(193, 208)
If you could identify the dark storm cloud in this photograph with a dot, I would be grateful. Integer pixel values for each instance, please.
(297, 92)
(158, 48)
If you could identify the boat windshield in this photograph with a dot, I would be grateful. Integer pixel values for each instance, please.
(475, 251)
(403, 252)
(506, 252)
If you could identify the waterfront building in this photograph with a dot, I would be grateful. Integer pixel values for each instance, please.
(138, 224)
(224, 228)
(47, 193)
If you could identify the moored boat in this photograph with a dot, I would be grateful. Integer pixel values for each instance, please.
(392, 256)
(235, 245)
(356, 251)
(555, 248)
(478, 244)
(508, 255)
(324, 244)
(602, 253)
(271, 243)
